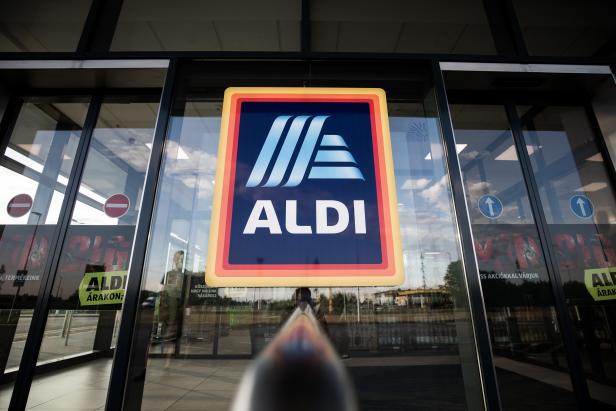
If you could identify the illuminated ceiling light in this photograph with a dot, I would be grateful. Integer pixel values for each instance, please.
(26, 161)
(459, 148)
(531, 149)
(181, 154)
(589, 188)
(177, 237)
(597, 157)
(510, 154)
(33, 149)
(30, 163)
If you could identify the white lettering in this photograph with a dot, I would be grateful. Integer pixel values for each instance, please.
(343, 217)
(290, 220)
(270, 222)
(359, 213)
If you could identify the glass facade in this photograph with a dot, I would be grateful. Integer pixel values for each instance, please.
(582, 235)
(514, 275)
(36, 166)
(202, 339)
(504, 174)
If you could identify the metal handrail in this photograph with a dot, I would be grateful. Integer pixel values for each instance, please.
(298, 370)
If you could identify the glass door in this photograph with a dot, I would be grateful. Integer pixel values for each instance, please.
(517, 269)
(38, 153)
(578, 199)
(88, 281)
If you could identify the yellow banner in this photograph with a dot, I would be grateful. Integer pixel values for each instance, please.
(601, 283)
(102, 288)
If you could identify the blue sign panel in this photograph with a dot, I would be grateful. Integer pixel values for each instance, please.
(296, 177)
(490, 206)
(581, 206)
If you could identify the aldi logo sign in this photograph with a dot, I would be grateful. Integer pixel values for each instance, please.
(304, 191)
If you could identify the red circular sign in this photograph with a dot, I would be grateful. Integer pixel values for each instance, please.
(19, 205)
(117, 205)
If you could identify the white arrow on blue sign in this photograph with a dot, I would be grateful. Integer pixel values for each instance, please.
(490, 206)
(581, 206)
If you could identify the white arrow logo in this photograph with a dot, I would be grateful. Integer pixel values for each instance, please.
(490, 202)
(581, 203)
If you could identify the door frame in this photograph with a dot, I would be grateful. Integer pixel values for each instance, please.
(36, 330)
(28, 363)
(508, 102)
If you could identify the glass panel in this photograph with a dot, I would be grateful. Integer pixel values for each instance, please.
(604, 107)
(38, 25)
(200, 339)
(526, 341)
(401, 26)
(236, 25)
(578, 199)
(89, 285)
(581, 28)
(34, 170)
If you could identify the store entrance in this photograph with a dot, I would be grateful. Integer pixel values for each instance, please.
(73, 170)
(541, 200)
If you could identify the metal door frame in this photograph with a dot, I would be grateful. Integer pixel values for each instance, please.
(574, 359)
(28, 368)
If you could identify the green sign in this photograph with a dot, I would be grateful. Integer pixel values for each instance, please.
(601, 283)
(103, 288)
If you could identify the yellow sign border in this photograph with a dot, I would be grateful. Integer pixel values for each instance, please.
(213, 280)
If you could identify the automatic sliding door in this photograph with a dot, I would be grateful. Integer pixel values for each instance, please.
(34, 170)
(88, 286)
(527, 345)
(578, 200)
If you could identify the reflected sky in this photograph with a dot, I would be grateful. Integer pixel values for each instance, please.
(428, 231)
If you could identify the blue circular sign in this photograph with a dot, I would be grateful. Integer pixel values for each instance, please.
(490, 206)
(581, 206)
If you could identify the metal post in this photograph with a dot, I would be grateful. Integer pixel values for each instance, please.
(574, 362)
(475, 293)
(121, 373)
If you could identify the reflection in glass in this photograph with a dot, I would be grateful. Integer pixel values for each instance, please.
(88, 288)
(580, 208)
(34, 169)
(526, 341)
(604, 110)
(200, 340)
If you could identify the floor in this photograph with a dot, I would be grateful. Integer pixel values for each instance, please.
(82, 387)
(192, 384)
(183, 384)
(179, 385)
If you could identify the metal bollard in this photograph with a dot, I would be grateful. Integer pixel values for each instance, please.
(299, 370)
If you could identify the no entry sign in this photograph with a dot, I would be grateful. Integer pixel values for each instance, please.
(19, 205)
(117, 205)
